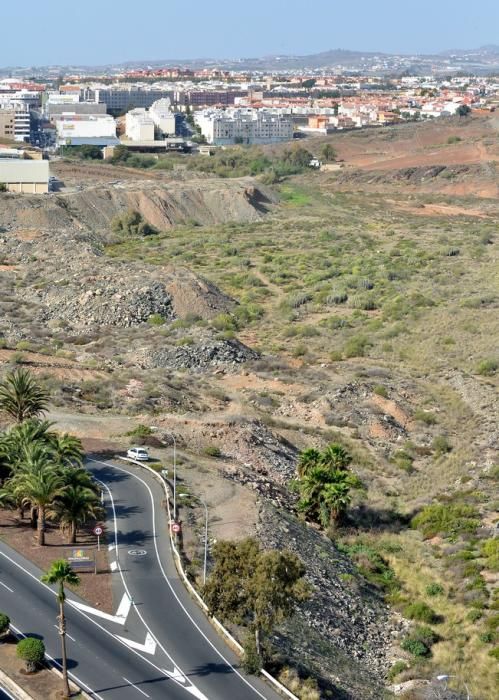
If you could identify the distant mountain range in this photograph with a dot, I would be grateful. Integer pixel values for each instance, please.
(481, 60)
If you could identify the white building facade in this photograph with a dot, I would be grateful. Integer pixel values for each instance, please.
(245, 126)
(139, 125)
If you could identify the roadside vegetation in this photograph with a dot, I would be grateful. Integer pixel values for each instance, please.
(41, 470)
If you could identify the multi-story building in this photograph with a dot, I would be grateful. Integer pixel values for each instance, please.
(7, 123)
(249, 126)
(19, 172)
(120, 98)
(165, 121)
(139, 125)
(208, 98)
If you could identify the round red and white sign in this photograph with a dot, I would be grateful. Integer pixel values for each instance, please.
(175, 527)
(98, 530)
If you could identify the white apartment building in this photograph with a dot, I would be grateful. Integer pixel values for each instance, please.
(139, 125)
(250, 126)
(164, 119)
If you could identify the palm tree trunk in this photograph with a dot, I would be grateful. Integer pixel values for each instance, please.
(62, 631)
(73, 533)
(41, 525)
(33, 515)
(258, 644)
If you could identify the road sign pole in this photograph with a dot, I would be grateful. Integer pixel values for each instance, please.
(98, 543)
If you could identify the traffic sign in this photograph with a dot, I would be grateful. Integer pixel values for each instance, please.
(98, 530)
(175, 528)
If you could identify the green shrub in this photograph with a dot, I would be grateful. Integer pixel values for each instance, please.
(490, 550)
(132, 223)
(356, 346)
(440, 445)
(434, 589)
(381, 390)
(140, 431)
(252, 663)
(446, 519)
(487, 368)
(421, 612)
(212, 451)
(156, 320)
(4, 623)
(474, 615)
(397, 668)
(494, 653)
(32, 651)
(415, 647)
(425, 417)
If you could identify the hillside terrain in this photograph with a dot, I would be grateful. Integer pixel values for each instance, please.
(357, 306)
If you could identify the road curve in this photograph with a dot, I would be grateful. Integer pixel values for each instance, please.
(162, 607)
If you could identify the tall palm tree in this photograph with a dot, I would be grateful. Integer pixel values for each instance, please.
(78, 476)
(37, 482)
(21, 397)
(61, 573)
(307, 460)
(14, 443)
(73, 508)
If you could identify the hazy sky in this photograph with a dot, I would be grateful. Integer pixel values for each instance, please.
(105, 31)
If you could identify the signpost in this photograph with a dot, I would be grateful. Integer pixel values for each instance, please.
(176, 528)
(98, 531)
(81, 558)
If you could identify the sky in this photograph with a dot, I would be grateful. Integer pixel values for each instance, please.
(113, 31)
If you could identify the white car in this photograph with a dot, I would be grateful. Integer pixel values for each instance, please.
(138, 453)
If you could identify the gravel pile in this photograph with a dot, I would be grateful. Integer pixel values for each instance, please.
(211, 353)
(121, 303)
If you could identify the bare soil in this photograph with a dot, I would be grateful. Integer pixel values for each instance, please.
(94, 588)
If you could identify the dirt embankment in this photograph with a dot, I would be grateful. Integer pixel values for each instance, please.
(161, 204)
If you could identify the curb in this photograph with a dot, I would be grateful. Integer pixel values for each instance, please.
(12, 687)
(178, 562)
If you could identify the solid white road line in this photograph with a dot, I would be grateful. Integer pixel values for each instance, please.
(5, 586)
(191, 688)
(219, 653)
(67, 635)
(136, 687)
(118, 619)
(94, 622)
(113, 566)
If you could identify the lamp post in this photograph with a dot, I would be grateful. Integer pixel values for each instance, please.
(445, 677)
(205, 539)
(174, 476)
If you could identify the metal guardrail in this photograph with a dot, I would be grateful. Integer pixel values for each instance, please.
(178, 560)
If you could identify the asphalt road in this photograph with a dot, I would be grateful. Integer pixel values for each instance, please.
(158, 644)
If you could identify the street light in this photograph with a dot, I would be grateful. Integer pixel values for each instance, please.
(445, 677)
(174, 476)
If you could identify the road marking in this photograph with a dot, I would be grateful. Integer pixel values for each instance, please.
(5, 586)
(111, 546)
(137, 552)
(197, 693)
(113, 566)
(176, 675)
(149, 646)
(67, 635)
(89, 619)
(121, 613)
(219, 653)
(136, 687)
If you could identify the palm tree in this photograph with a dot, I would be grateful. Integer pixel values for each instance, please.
(335, 457)
(61, 573)
(37, 482)
(311, 488)
(20, 437)
(21, 397)
(308, 459)
(335, 499)
(73, 508)
(67, 449)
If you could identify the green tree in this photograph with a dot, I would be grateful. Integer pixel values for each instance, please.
(308, 459)
(334, 501)
(328, 153)
(255, 588)
(75, 506)
(37, 482)
(21, 397)
(336, 457)
(32, 652)
(61, 574)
